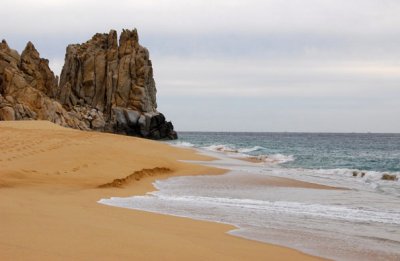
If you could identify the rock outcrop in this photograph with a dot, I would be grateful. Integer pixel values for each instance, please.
(104, 86)
(25, 82)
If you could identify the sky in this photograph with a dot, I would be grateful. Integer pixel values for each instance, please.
(242, 65)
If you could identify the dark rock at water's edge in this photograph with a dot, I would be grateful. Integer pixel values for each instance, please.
(390, 177)
(105, 85)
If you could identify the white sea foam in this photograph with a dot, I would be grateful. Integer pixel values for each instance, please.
(278, 158)
(244, 152)
(222, 148)
(268, 207)
(252, 149)
(229, 148)
(184, 144)
(348, 178)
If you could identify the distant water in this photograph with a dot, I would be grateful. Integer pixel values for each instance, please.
(361, 222)
(377, 152)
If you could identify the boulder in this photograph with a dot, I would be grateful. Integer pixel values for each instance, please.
(132, 117)
(7, 114)
(390, 177)
(98, 123)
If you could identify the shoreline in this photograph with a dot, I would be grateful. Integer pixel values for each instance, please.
(48, 198)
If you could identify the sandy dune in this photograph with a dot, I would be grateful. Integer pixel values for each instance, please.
(52, 177)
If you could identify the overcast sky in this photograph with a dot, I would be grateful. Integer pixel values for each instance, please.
(243, 65)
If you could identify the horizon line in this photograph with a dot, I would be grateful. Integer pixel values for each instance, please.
(311, 132)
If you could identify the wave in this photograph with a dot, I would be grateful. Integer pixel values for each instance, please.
(252, 149)
(277, 158)
(348, 178)
(228, 148)
(374, 179)
(222, 148)
(244, 152)
(357, 173)
(184, 144)
(268, 207)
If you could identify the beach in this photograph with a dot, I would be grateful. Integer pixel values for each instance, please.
(51, 180)
(324, 194)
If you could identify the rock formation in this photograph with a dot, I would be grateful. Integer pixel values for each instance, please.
(25, 82)
(104, 86)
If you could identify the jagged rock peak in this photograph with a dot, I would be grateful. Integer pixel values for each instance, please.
(39, 75)
(4, 45)
(8, 55)
(104, 74)
(30, 47)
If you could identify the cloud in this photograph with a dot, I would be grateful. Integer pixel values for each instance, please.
(301, 64)
(199, 17)
(258, 78)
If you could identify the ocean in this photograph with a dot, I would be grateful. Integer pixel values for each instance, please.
(359, 221)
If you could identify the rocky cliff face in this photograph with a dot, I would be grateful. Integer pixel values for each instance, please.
(104, 86)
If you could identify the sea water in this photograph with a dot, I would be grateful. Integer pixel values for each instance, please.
(360, 221)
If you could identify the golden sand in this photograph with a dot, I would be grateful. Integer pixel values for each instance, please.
(52, 177)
